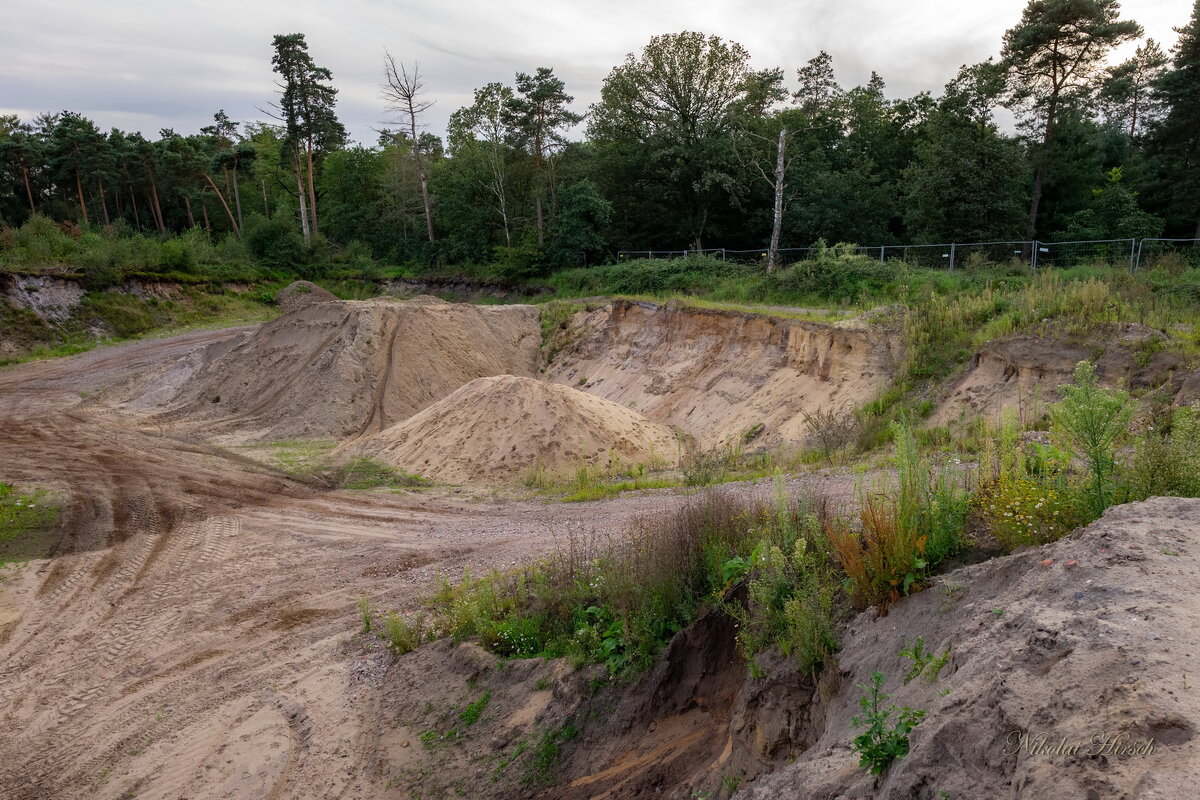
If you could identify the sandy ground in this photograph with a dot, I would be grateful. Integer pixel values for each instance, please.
(189, 638)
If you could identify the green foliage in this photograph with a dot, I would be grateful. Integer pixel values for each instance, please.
(360, 473)
(403, 636)
(1026, 497)
(837, 273)
(545, 755)
(924, 662)
(1091, 423)
(1112, 214)
(791, 590)
(472, 711)
(905, 530)
(364, 613)
(618, 603)
(1166, 459)
(275, 243)
(884, 740)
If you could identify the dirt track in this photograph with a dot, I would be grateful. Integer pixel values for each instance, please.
(191, 635)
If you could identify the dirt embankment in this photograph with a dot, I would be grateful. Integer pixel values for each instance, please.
(498, 429)
(1092, 639)
(338, 369)
(716, 374)
(1023, 373)
(1092, 642)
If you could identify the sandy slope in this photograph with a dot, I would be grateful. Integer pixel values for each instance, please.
(192, 637)
(337, 369)
(1103, 640)
(496, 430)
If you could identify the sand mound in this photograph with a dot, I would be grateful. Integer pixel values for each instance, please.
(718, 374)
(301, 294)
(338, 369)
(495, 430)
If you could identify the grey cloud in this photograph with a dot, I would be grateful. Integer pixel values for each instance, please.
(144, 66)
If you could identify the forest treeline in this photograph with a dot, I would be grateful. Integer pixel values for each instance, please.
(688, 146)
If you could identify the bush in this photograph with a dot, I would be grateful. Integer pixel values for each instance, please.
(1091, 423)
(275, 243)
(1025, 498)
(905, 530)
(838, 273)
(790, 592)
(619, 602)
(883, 741)
(1166, 459)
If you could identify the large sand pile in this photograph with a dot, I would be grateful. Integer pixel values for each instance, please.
(495, 430)
(718, 374)
(334, 369)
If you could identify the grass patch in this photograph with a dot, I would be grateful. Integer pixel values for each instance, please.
(26, 519)
(545, 755)
(362, 473)
(128, 317)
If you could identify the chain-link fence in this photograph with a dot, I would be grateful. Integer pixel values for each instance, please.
(1132, 254)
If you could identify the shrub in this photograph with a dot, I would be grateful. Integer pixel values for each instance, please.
(617, 602)
(905, 530)
(883, 741)
(837, 273)
(790, 594)
(403, 636)
(274, 242)
(1090, 423)
(1166, 459)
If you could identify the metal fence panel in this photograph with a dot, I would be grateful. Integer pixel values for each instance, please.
(1131, 253)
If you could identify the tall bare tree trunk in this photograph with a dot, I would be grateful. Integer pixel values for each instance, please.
(188, 205)
(303, 195)
(777, 220)
(157, 207)
(28, 190)
(237, 197)
(103, 202)
(428, 206)
(79, 189)
(137, 220)
(221, 197)
(204, 211)
(541, 227)
(312, 189)
(1040, 176)
(266, 207)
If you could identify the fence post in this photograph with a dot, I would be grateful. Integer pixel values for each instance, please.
(1034, 258)
(881, 249)
(952, 256)
(1132, 250)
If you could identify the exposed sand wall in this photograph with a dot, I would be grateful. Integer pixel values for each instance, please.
(715, 374)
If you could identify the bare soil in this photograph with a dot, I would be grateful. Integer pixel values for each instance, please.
(193, 632)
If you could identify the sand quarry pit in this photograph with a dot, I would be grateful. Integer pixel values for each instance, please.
(190, 627)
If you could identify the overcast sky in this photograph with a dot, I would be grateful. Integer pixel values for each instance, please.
(148, 64)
